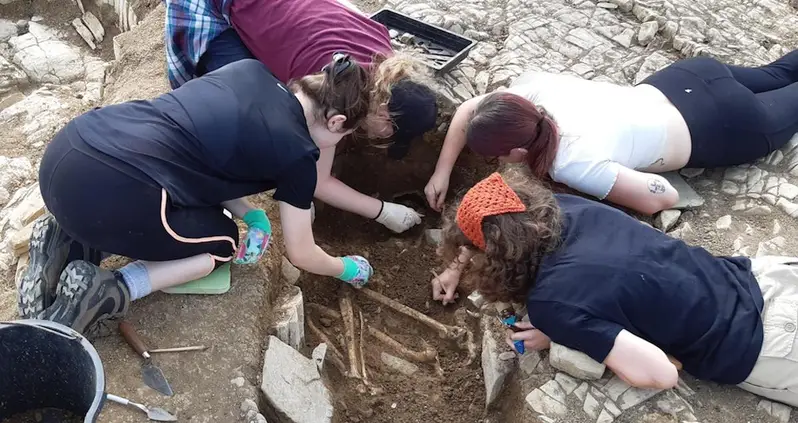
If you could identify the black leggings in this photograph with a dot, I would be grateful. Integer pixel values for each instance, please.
(102, 206)
(735, 114)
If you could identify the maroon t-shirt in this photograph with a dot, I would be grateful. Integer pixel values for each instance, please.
(294, 38)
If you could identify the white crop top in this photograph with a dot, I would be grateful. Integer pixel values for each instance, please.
(602, 126)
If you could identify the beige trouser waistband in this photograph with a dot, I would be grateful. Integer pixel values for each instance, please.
(775, 374)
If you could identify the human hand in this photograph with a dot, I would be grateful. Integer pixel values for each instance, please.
(357, 271)
(533, 338)
(444, 286)
(256, 241)
(436, 190)
(397, 217)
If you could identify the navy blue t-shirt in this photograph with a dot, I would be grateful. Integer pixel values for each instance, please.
(612, 272)
(234, 132)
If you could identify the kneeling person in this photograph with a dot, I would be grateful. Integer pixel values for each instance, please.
(150, 180)
(596, 280)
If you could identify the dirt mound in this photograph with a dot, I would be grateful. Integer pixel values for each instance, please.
(140, 69)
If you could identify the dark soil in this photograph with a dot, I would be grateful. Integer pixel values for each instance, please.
(403, 265)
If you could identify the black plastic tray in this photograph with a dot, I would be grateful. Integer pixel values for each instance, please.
(450, 44)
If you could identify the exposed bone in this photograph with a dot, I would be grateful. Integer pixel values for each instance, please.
(335, 356)
(445, 331)
(347, 313)
(362, 359)
(471, 346)
(427, 355)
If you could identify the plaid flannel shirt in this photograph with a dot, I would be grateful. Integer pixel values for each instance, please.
(190, 26)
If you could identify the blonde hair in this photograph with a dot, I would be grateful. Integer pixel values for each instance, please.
(388, 70)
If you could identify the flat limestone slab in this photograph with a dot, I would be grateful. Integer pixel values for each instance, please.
(688, 198)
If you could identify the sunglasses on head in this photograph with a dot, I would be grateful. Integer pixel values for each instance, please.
(341, 62)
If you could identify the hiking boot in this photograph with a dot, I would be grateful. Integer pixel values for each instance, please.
(49, 250)
(87, 296)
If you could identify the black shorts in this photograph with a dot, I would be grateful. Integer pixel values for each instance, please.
(116, 209)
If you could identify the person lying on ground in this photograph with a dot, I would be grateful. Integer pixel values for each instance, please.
(295, 38)
(149, 180)
(610, 141)
(596, 280)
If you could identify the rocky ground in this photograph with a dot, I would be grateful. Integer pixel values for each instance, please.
(56, 61)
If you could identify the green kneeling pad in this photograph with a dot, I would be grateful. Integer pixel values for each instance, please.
(218, 282)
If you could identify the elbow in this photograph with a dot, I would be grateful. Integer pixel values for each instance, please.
(664, 202)
(664, 377)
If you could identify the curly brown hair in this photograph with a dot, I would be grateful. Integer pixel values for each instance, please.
(514, 242)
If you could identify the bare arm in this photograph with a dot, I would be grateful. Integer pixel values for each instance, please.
(453, 144)
(640, 363)
(238, 207)
(645, 192)
(337, 194)
(301, 248)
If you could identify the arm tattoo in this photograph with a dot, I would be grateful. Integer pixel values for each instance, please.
(655, 186)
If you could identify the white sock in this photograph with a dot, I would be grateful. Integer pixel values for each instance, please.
(137, 279)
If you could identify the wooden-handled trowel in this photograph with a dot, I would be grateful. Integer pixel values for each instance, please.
(152, 375)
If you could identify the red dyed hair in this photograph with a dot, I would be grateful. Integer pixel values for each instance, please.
(503, 121)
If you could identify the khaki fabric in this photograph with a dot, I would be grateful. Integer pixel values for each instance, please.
(775, 374)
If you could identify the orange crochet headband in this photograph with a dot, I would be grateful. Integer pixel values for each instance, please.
(489, 197)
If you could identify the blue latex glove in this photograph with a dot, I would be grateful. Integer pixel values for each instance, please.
(256, 241)
(510, 324)
(357, 271)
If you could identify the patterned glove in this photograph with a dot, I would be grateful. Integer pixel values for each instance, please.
(357, 271)
(256, 241)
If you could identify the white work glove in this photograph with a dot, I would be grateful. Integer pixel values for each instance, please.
(397, 217)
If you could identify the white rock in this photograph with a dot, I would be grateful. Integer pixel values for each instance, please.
(758, 211)
(84, 32)
(787, 207)
(647, 32)
(293, 386)
(39, 115)
(494, 369)
(476, 299)
(605, 417)
(736, 174)
(290, 273)
(11, 77)
(319, 355)
(781, 412)
(567, 383)
(434, 237)
(728, 187)
(94, 25)
(398, 364)
(529, 362)
(776, 227)
(691, 172)
(239, 381)
(724, 222)
(671, 403)
(542, 403)
(666, 219)
(581, 391)
(554, 390)
(289, 318)
(788, 191)
(575, 363)
(45, 58)
(653, 63)
(8, 29)
(684, 230)
(625, 38)
(591, 406)
(615, 387)
(634, 396)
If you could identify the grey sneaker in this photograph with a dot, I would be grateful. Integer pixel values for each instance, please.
(87, 296)
(49, 248)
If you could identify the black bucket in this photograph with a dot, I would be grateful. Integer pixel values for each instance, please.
(46, 365)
